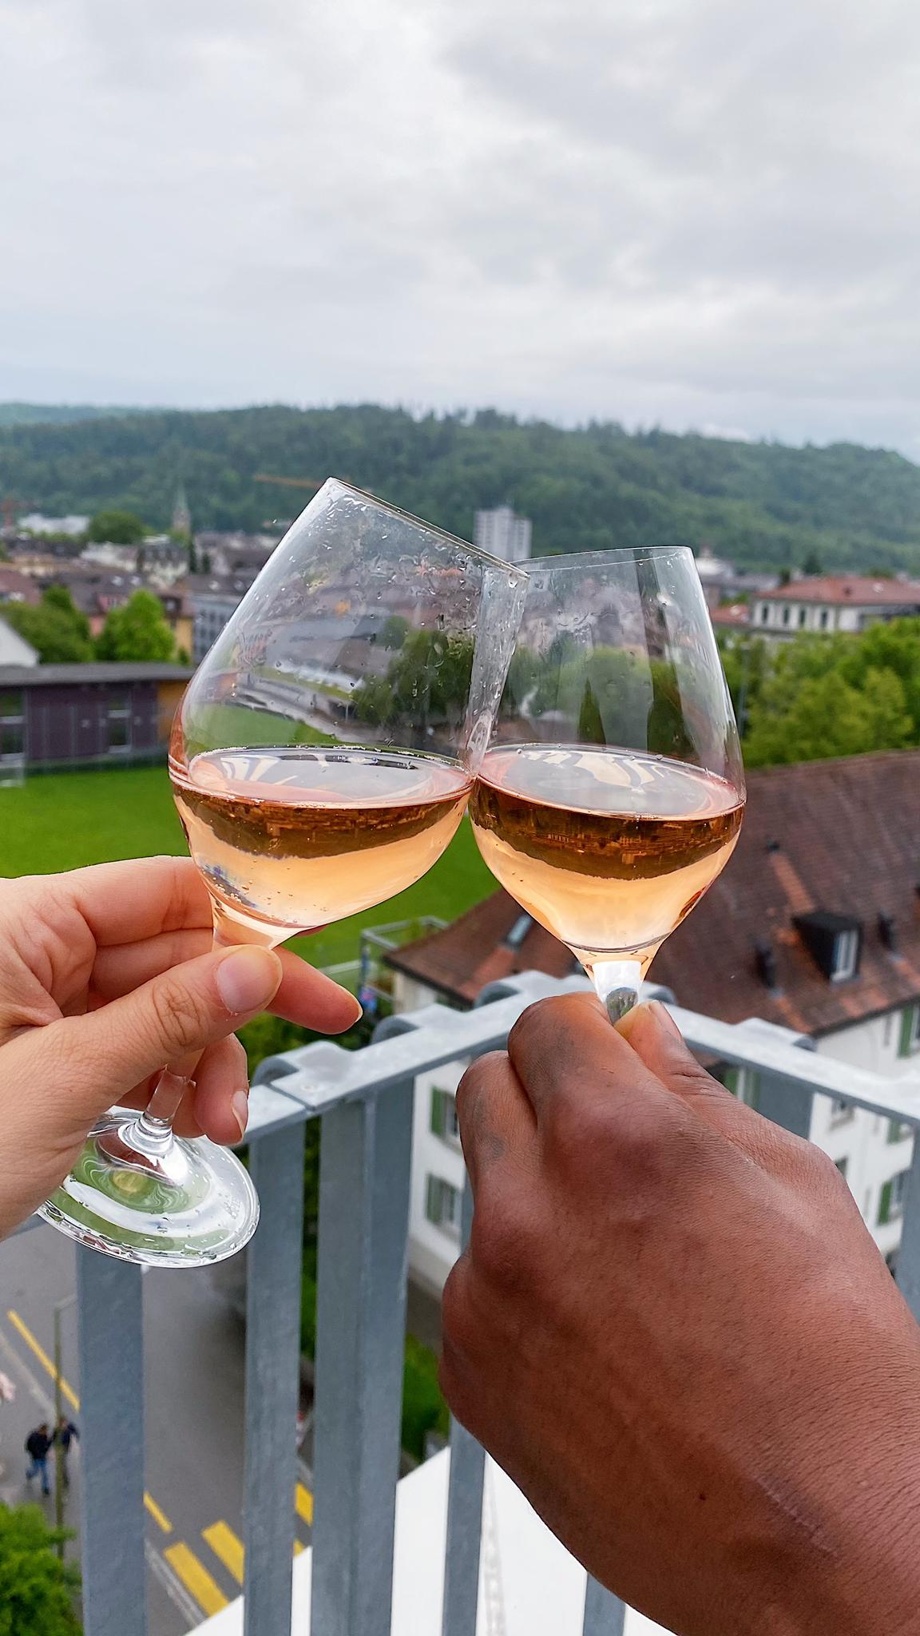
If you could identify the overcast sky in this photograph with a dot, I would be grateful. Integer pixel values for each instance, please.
(692, 212)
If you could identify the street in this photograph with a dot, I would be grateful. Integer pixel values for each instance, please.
(194, 1347)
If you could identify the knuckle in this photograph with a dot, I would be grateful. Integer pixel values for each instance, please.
(503, 1241)
(180, 1015)
(478, 1076)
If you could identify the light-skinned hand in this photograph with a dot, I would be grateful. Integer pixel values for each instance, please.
(106, 975)
(675, 1333)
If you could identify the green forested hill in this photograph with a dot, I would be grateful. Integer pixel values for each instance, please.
(762, 504)
(56, 414)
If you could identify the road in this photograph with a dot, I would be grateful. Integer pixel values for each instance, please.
(193, 1347)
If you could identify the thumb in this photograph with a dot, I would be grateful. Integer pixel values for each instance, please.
(655, 1037)
(175, 1015)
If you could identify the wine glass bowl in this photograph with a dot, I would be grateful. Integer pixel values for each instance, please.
(321, 761)
(612, 791)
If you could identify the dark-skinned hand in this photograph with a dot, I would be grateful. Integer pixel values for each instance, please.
(674, 1332)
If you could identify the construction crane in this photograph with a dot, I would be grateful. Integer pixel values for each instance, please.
(9, 506)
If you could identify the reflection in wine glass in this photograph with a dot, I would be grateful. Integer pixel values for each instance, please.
(321, 762)
(612, 792)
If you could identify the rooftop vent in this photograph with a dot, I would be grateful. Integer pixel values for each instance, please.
(888, 932)
(833, 941)
(518, 931)
(765, 961)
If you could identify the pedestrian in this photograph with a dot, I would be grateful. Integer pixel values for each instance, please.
(64, 1435)
(38, 1443)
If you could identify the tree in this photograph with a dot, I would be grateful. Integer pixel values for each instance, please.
(137, 631)
(56, 629)
(36, 1589)
(826, 716)
(115, 527)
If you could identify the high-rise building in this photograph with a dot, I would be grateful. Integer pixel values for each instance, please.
(503, 534)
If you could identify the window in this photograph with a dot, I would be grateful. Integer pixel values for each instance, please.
(442, 1205)
(824, 619)
(787, 615)
(897, 1132)
(841, 1112)
(443, 1120)
(894, 1193)
(802, 617)
(764, 613)
(910, 1031)
(846, 956)
(119, 723)
(12, 735)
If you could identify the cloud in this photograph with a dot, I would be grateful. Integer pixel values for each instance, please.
(696, 213)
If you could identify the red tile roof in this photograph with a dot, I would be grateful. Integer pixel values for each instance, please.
(841, 836)
(848, 589)
(17, 587)
(735, 615)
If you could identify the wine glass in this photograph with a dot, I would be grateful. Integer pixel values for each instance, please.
(321, 761)
(612, 792)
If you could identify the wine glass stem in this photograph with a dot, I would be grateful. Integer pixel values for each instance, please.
(617, 985)
(152, 1130)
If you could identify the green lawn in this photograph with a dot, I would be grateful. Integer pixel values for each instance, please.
(65, 820)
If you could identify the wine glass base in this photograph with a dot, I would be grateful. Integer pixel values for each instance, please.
(208, 1212)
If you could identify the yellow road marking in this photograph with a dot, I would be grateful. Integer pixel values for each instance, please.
(42, 1356)
(67, 1391)
(195, 1577)
(157, 1514)
(226, 1547)
(304, 1503)
(298, 1547)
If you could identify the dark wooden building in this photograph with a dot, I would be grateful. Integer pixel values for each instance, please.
(62, 715)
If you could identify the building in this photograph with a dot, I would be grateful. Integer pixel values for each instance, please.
(213, 600)
(14, 649)
(58, 715)
(503, 534)
(722, 581)
(826, 604)
(181, 517)
(37, 523)
(814, 927)
(17, 587)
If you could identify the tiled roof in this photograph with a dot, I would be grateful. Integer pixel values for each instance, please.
(848, 589)
(17, 587)
(733, 616)
(840, 836)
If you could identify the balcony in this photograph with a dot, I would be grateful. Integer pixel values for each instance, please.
(425, 1559)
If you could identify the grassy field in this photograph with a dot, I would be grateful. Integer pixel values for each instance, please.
(66, 820)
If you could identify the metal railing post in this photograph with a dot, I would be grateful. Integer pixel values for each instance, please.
(273, 1295)
(464, 1509)
(908, 1278)
(361, 1305)
(605, 1615)
(111, 1349)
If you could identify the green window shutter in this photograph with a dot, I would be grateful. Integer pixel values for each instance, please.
(438, 1124)
(884, 1209)
(433, 1199)
(907, 1031)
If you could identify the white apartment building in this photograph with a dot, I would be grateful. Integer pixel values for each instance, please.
(503, 534)
(825, 604)
(814, 927)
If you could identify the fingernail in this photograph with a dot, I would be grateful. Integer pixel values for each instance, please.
(359, 1009)
(247, 978)
(664, 1019)
(239, 1102)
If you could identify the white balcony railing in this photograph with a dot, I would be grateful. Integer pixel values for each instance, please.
(365, 1100)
